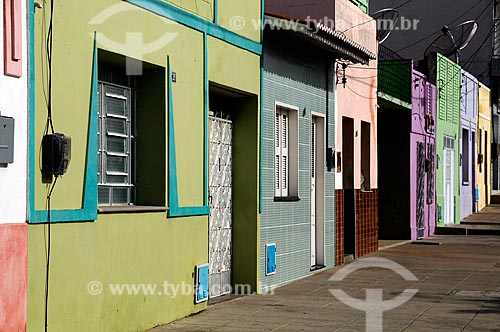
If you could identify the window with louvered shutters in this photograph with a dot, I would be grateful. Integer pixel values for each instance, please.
(281, 155)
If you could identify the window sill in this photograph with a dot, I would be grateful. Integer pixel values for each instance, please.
(366, 191)
(130, 209)
(287, 199)
(465, 183)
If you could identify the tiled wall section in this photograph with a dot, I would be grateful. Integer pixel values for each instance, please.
(366, 222)
(339, 225)
(299, 81)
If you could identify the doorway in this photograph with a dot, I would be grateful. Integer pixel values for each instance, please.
(449, 198)
(473, 178)
(317, 192)
(348, 185)
(220, 200)
(486, 169)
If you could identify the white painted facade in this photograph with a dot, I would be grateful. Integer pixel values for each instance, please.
(14, 103)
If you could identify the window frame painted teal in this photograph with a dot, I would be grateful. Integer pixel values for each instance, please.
(174, 210)
(89, 210)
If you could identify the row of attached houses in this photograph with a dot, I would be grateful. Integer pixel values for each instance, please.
(162, 143)
(434, 145)
(463, 140)
(197, 149)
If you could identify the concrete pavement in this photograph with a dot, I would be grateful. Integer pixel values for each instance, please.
(458, 283)
(485, 222)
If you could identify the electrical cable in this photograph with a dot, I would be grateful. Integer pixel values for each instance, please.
(403, 4)
(47, 268)
(372, 19)
(439, 31)
(49, 60)
(49, 125)
(471, 59)
(360, 95)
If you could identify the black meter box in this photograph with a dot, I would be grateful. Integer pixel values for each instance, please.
(56, 154)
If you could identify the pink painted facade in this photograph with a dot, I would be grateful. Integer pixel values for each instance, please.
(358, 100)
(13, 282)
(356, 180)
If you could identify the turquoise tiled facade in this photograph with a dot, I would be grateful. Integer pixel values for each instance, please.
(299, 81)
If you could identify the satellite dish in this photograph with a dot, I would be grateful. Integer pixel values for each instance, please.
(453, 40)
(386, 22)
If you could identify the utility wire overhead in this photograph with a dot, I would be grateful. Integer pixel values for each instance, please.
(439, 31)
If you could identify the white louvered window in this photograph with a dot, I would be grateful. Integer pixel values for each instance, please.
(116, 139)
(282, 160)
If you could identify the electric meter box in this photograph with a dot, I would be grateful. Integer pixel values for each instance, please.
(6, 140)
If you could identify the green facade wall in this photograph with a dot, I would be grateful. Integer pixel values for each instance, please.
(116, 249)
(126, 246)
(395, 79)
(448, 77)
(362, 4)
(297, 78)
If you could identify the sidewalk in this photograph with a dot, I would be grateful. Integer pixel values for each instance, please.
(459, 290)
(490, 215)
(485, 222)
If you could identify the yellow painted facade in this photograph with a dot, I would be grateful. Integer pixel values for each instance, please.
(127, 246)
(484, 131)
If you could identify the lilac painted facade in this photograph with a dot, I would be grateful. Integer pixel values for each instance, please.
(422, 158)
(468, 122)
(407, 153)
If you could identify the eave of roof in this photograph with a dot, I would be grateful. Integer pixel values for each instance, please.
(322, 37)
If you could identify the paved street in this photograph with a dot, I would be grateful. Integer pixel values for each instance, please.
(458, 283)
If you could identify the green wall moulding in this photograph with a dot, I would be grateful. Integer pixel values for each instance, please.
(169, 11)
(89, 210)
(174, 210)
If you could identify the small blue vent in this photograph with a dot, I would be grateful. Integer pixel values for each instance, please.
(201, 294)
(440, 213)
(270, 259)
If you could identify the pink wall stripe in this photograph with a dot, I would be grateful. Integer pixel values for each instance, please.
(13, 38)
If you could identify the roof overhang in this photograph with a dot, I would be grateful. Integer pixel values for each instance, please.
(321, 37)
